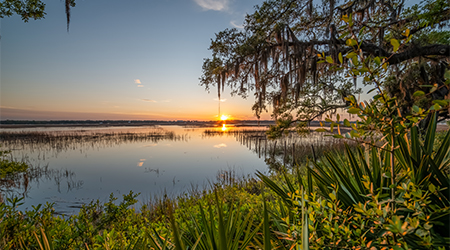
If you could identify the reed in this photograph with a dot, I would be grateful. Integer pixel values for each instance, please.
(59, 141)
(291, 149)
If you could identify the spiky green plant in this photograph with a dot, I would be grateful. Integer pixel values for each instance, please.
(358, 186)
(219, 227)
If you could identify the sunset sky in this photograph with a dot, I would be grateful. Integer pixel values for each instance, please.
(122, 59)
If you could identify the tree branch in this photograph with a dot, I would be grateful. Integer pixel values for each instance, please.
(412, 52)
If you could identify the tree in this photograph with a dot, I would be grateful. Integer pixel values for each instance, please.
(297, 56)
(27, 9)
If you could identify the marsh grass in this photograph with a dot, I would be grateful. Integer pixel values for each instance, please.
(292, 149)
(60, 141)
(289, 150)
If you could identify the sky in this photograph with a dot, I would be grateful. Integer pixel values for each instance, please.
(120, 60)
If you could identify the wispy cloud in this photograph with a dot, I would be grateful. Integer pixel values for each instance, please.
(168, 100)
(148, 100)
(221, 100)
(137, 81)
(221, 145)
(140, 86)
(236, 25)
(218, 5)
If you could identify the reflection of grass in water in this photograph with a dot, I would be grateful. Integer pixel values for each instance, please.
(291, 149)
(231, 131)
(16, 177)
(63, 141)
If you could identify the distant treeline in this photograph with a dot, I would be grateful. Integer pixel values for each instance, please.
(91, 122)
(126, 122)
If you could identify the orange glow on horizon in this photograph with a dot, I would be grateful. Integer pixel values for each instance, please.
(224, 117)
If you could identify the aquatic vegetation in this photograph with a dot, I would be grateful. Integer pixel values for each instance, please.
(62, 141)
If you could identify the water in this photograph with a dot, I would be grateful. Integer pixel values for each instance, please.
(70, 172)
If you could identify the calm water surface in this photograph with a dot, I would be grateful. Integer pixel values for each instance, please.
(79, 172)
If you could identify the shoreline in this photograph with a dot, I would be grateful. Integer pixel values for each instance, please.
(141, 124)
(440, 127)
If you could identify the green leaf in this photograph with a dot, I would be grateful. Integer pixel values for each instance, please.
(341, 60)
(354, 134)
(364, 69)
(351, 55)
(338, 136)
(409, 39)
(305, 223)
(434, 88)
(418, 93)
(371, 90)
(353, 110)
(377, 60)
(447, 76)
(329, 59)
(266, 227)
(345, 18)
(430, 134)
(432, 188)
(321, 130)
(347, 123)
(441, 102)
(351, 42)
(395, 44)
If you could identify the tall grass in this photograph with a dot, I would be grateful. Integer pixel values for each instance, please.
(59, 141)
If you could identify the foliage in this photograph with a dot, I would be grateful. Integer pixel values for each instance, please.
(186, 223)
(299, 56)
(392, 194)
(30, 9)
(294, 212)
(349, 202)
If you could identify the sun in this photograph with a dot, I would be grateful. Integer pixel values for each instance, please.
(224, 117)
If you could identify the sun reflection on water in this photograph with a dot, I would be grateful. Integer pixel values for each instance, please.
(224, 127)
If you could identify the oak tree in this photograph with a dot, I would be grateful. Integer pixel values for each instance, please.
(296, 55)
(27, 9)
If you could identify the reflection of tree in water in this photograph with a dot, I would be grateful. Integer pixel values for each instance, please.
(16, 178)
(207, 133)
(60, 141)
(290, 149)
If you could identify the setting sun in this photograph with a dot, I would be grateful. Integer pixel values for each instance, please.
(224, 117)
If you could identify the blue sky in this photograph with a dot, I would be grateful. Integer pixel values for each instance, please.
(122, 59)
